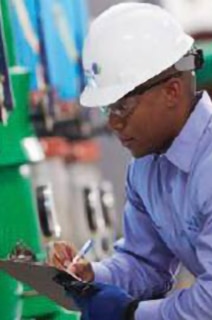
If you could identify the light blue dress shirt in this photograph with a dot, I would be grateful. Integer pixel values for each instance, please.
(167, 220)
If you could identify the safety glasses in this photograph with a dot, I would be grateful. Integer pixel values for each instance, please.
(125, 106)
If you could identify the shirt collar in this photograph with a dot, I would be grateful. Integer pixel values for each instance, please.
(183, 148)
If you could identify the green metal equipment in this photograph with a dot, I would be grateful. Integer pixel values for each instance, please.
(19, 221)
(204, 76)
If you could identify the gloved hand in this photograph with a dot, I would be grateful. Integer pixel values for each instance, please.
(108, 303)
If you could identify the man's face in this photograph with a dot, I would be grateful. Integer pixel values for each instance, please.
(149, 125)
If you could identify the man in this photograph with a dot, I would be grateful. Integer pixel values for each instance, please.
(140, 65)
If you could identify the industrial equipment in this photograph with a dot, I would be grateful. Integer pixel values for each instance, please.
(19, 220)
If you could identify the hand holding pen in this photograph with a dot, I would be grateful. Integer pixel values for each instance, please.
(64, 256)
(79, 265)
(82, 252)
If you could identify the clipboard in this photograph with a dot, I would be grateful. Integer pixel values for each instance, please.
(49, 281)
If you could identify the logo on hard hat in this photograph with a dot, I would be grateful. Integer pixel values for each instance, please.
(91, 74)
(96, 68)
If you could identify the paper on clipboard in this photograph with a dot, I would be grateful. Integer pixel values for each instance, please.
(41, 278)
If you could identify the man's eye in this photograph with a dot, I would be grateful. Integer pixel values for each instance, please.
(121, 107)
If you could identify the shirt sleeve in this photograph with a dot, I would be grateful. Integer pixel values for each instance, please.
(142, 264)
(193, 303)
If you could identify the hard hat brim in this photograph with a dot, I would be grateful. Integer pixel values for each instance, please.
(98, 97)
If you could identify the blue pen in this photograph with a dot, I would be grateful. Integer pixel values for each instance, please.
(82, 252)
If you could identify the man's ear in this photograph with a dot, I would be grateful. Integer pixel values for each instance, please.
(173, 91)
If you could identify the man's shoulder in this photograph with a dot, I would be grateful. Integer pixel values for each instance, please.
(201, 172)
(201, 182)
(204, 165)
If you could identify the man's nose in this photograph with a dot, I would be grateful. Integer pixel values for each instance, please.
(116, 123)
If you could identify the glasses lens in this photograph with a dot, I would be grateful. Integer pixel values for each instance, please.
(121, 108)
(126, 107)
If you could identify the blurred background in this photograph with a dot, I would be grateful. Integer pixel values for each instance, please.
(62, 171)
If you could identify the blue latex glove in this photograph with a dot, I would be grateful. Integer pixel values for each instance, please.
(109, 303)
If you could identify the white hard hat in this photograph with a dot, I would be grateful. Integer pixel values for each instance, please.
(127, 45)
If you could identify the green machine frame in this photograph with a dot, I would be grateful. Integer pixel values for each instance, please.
(19, 221)
(204, 76)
